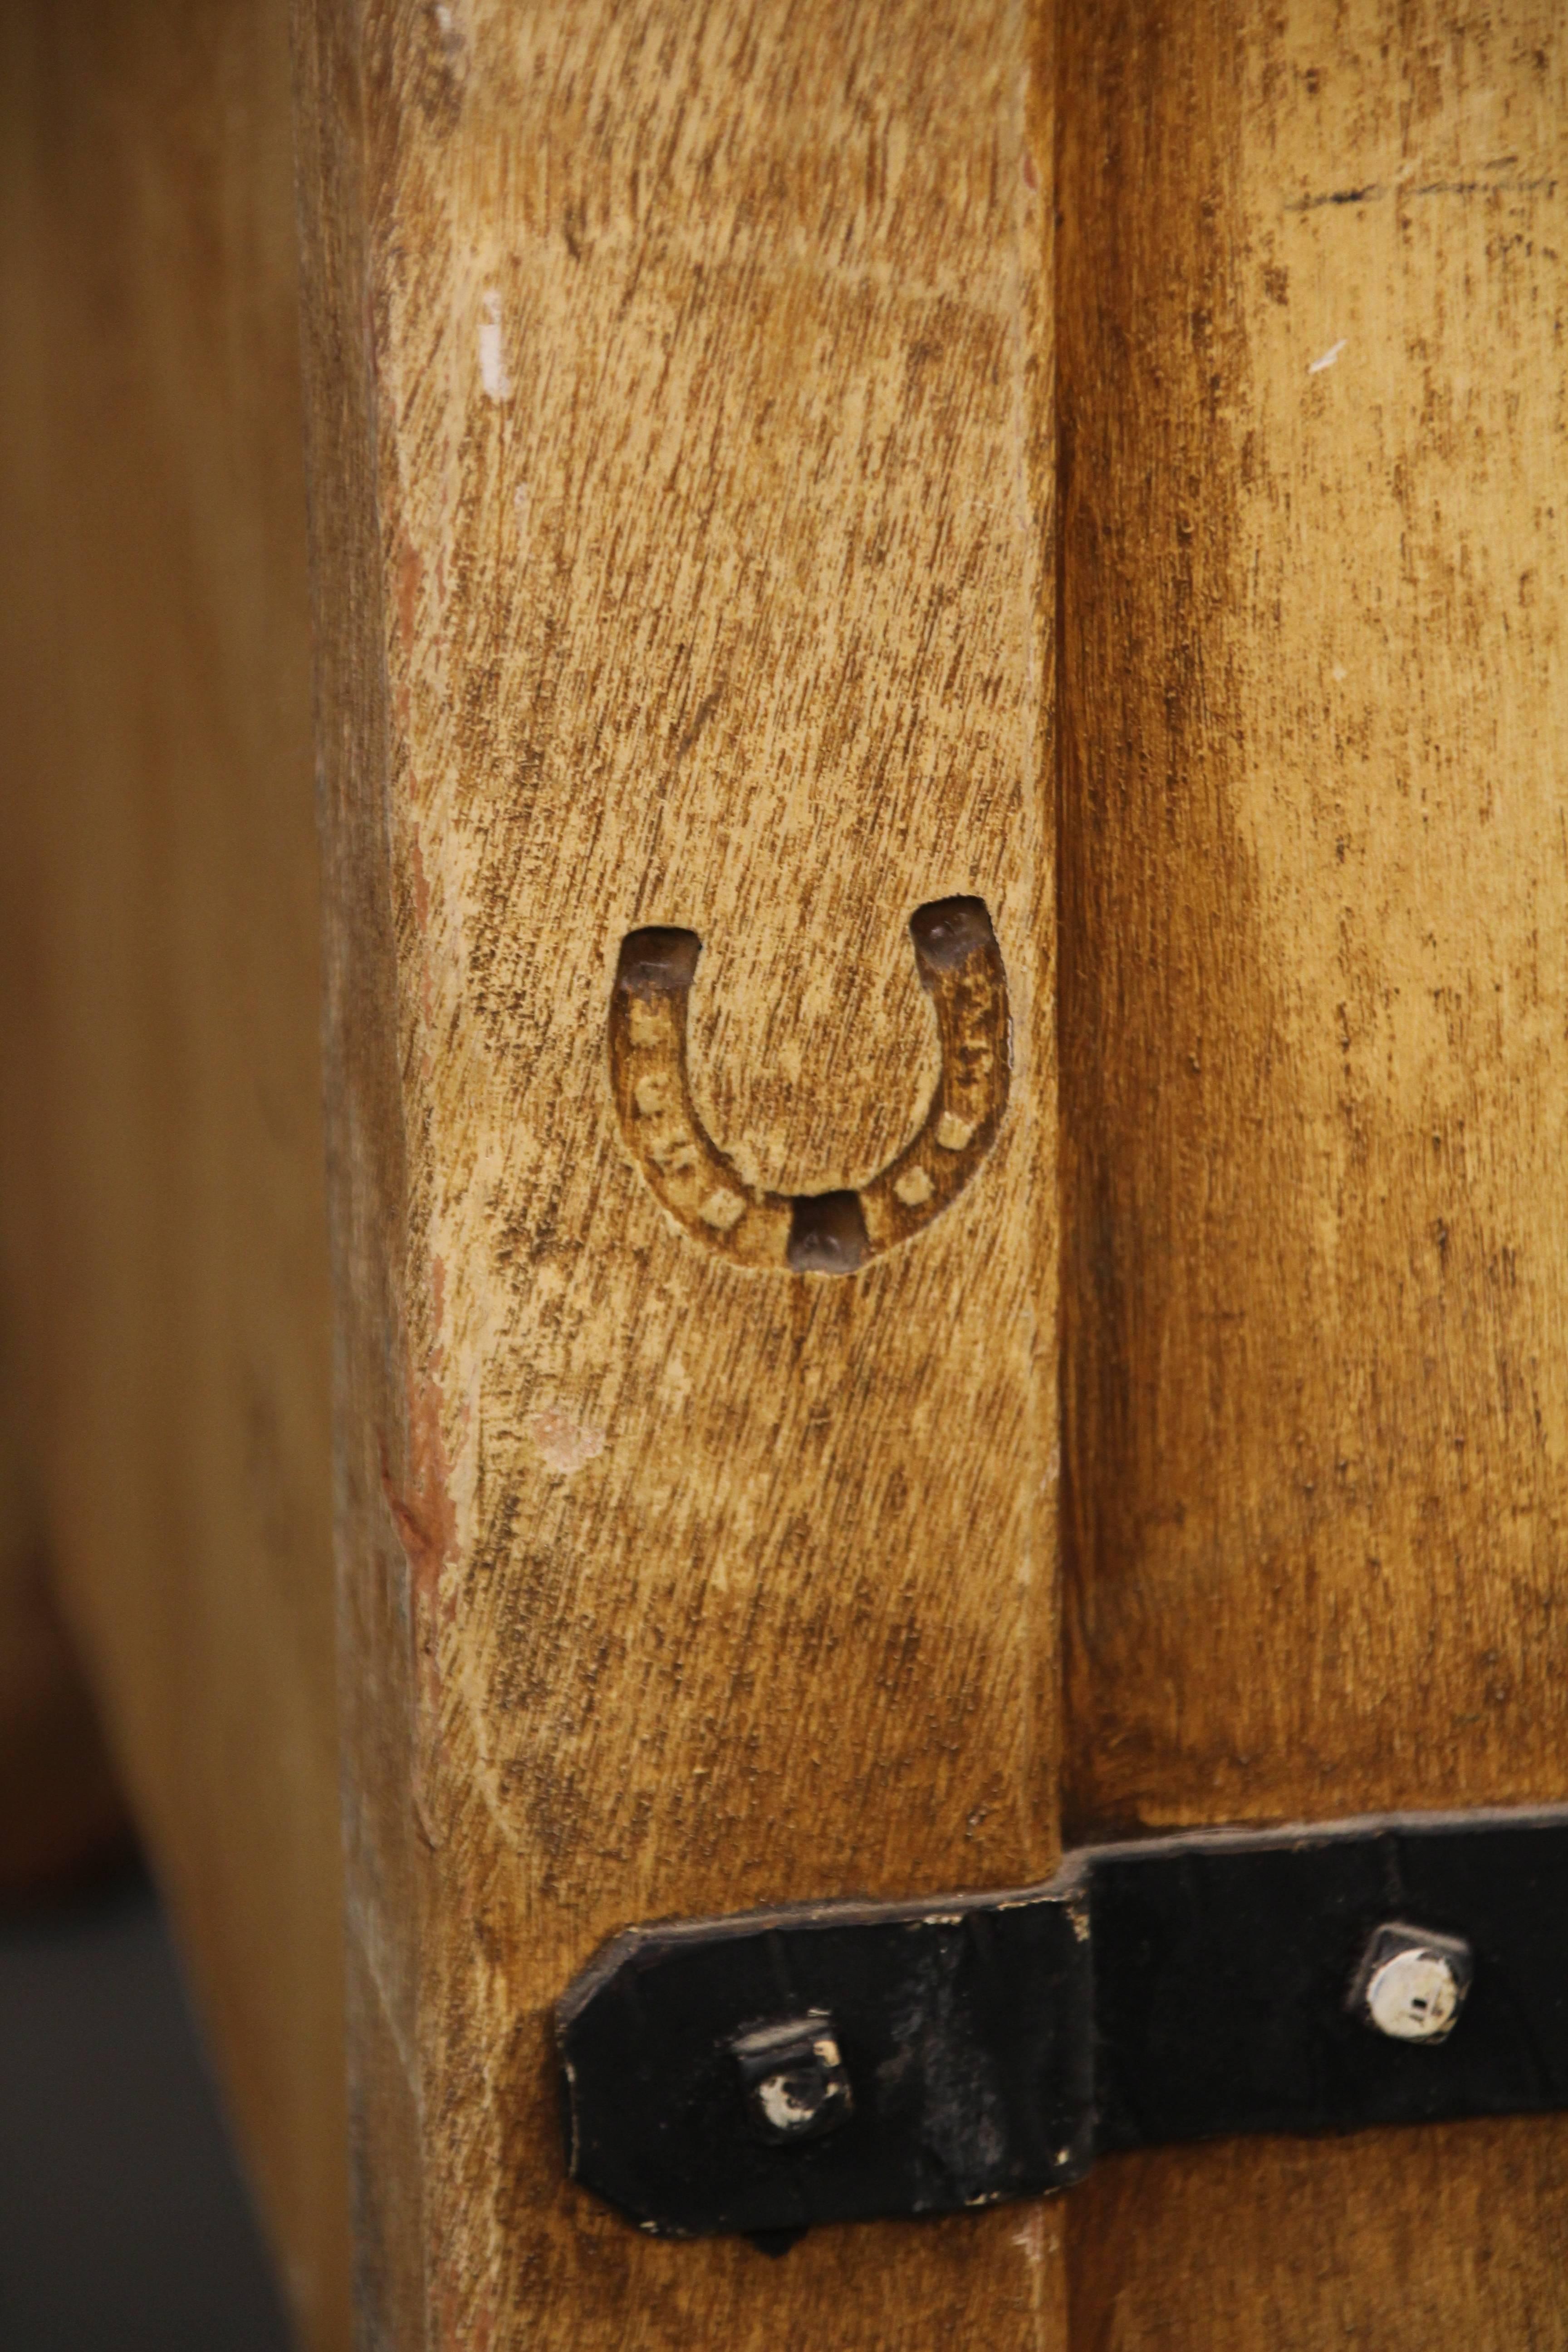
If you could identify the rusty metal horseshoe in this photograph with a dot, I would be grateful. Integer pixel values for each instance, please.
(960, 967)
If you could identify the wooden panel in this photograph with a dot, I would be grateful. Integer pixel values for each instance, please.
(1433, 2240)
(698, 583)
(1314, 1001)
(164, 1222)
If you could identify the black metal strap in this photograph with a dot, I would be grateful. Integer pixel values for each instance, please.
(838, 2060)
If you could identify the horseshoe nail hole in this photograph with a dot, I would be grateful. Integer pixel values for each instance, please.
(914, 1188)
(947, 933)
(826, 1234)
(658, 960)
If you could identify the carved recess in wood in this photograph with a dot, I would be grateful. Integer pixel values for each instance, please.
(961, 968)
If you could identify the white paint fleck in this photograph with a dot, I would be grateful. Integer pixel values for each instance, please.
(1339, 673)
(570, 2071)
(454, 47)
(492, 358)
(564, 1445)
(1316, 367)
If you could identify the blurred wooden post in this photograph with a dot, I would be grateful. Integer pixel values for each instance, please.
(162, 1198)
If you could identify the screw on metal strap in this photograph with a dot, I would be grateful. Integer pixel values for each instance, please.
(838, 2061)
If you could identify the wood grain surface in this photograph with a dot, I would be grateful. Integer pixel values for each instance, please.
(701, 582)
(1314, 998)
(161, 1183)
(682, 455)
(1437, 2239)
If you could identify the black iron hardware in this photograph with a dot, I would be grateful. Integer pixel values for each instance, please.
(837, 2060)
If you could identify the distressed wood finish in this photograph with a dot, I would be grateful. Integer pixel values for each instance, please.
(1314, 1001)
(163, 1219)
(1442, 2239)
(681, 442)
(708, 390)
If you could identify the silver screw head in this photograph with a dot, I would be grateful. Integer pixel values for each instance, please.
(793, 2078)
(1412, 1983)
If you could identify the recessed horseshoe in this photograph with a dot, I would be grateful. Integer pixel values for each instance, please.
(960, 967)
